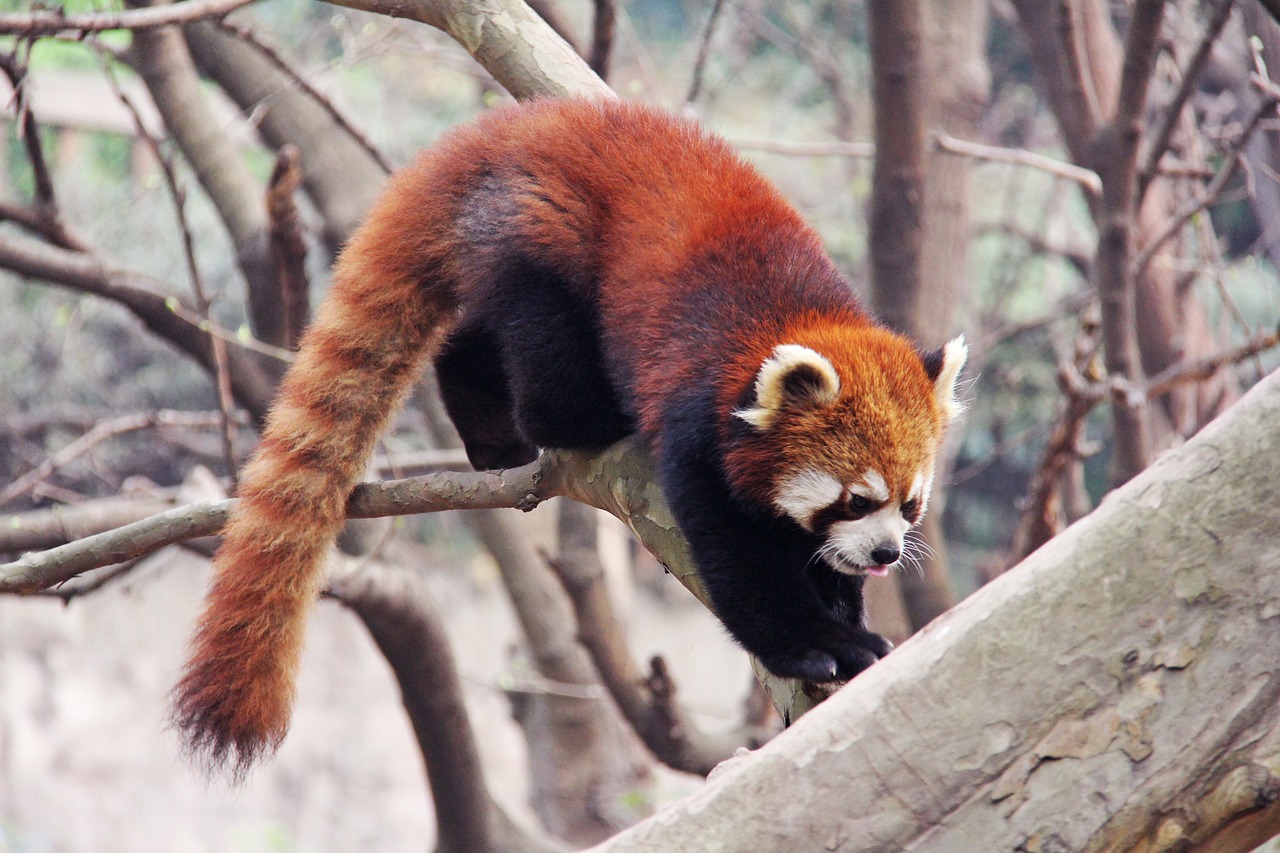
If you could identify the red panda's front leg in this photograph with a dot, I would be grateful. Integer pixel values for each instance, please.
(759, 569)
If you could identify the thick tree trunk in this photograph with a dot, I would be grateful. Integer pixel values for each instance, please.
(1120, 690)
(919, 222)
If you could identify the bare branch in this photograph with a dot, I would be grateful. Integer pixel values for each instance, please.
(41, 529)
(102, 432)
(164, 316)
(648, 702)
(834, 148)
(1216, 186)
(288, 249)
(1114, 151)
(396, 608)
(99, 581)
(44, 217)
(704, 50)
(505, 36)
(1203, 368)
(221, 370)
(58, 22)
(282, 64)
(523, 488)
(1190, 79)
(1086, 178)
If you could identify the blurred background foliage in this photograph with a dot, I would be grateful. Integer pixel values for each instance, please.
(81, 359)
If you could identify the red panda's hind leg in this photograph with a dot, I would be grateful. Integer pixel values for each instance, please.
(478, 400)
(553, 360)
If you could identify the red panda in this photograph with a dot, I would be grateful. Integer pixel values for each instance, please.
(578, 271)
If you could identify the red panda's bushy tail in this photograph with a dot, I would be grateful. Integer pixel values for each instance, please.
(384, 316)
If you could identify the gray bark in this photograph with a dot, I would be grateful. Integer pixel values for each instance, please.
(1118, 690)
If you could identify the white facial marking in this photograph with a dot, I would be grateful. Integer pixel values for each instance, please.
(873, 487)
(850, 543)
(807, 492)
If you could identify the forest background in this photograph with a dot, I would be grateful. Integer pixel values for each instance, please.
(1104, 236)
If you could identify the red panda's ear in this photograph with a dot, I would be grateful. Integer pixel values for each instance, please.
(943, 366)
(793, 375)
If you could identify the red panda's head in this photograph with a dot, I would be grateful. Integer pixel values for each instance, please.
(845, 424)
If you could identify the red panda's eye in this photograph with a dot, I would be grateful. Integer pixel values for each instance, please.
(860, 505)
(911, 510)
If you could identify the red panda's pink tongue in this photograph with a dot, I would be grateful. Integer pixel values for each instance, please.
(878, 571)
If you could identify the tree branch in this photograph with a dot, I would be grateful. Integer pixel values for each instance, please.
(590, 478)
(252, 377)
(508, 39)
(164, 63)
(397, 610)
(1195, 205)
(102, 432)
(58, 22)
(1086, 178)
(342, 172)
(1171, 114)
(1107, 647)
(647, 702)
(1114, 151)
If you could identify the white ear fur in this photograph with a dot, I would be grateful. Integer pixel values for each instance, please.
(790, 361)
(954, 355)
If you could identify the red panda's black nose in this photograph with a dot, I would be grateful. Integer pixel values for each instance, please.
(883, 555)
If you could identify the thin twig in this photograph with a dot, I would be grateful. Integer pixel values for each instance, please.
(1065, 307)
(1204, 368)
(834, 148)
(213, 330)
(1086, 178)
(98, 582)
(221, 370)
(1190, 78)
(704, 50)
(55, 21)
(1212, 191)
(102, 432)
(276, 58)
(46, 203)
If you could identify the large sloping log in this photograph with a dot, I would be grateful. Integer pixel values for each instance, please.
(1119, 690)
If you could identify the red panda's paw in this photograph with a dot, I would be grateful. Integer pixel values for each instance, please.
(838, 659)
(873, 642)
